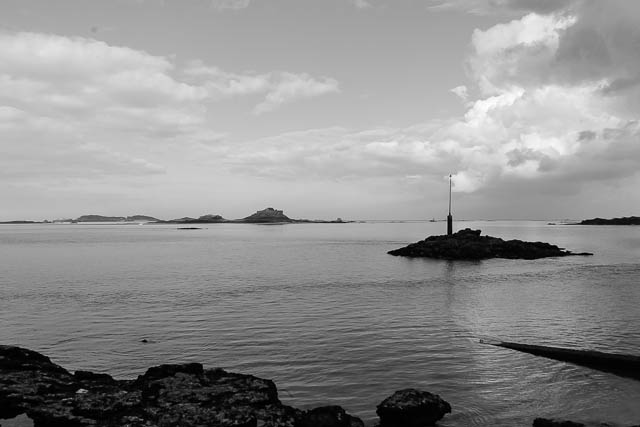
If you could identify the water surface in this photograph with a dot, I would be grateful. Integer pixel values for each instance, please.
(323, 311)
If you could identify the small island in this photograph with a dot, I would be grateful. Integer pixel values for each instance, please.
(627, 220)
(468, 244)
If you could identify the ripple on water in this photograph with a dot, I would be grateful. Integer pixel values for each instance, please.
(329, 316)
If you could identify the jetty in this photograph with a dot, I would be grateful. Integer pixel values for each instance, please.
(623, 365)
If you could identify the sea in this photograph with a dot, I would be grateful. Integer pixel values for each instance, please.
(326, 313)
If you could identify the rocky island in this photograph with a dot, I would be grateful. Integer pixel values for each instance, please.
(468, 244)
(627, 220)
(268, 215)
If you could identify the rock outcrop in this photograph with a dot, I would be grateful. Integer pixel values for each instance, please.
(468, 244)
(412, 408)
(182, 395)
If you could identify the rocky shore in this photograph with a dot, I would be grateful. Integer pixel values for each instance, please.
(183, 395)
(468, 244)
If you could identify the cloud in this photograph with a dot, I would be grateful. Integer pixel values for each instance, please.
(278, 88)
(460, 92)
(289, 87)
(74, 107)
(555, 114)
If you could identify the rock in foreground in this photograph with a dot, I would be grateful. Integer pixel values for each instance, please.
(412, 408)
(467, 244)
(183, 395)
(544, 422)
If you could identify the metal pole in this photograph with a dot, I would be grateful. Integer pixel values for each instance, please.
(449, 217)
(449, 194)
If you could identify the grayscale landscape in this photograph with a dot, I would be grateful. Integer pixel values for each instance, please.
(319, 213)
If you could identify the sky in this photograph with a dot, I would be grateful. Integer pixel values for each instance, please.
(359, 109)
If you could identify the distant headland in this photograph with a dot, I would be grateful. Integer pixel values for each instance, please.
(265, 216)
(627, 220)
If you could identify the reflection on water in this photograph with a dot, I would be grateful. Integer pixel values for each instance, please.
(322, 310)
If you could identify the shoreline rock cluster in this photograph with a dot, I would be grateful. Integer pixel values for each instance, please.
(178, 395)
(183, 395)
(468, 244)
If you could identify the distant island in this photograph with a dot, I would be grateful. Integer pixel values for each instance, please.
(265, 216)
(100, 218)
(20, 222)
(467, 244)
(627, 220)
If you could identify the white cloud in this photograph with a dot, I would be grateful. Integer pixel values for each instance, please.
(290, 87)
(278, 88)
(519, 52)
(460, 92)
(78, 107)
(551, 112)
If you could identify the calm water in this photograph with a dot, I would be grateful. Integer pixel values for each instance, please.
(323, 311)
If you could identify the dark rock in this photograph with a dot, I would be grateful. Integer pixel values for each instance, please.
(183, 395)
(93, 377)
(412, 408)
(468, 244)
(627, 220)
(328, 416)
